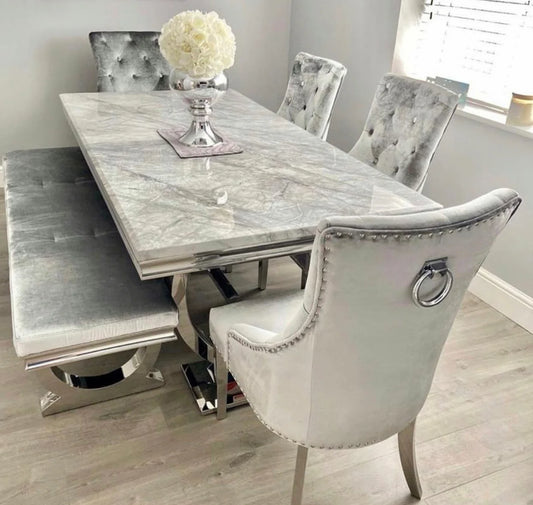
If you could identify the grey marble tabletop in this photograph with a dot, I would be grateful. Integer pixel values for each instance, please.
(182, 215)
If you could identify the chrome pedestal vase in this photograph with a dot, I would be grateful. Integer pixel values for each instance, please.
(200, 94)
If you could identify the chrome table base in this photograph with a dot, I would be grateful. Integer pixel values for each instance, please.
(200, 375)
(223, 285)
(193, 336)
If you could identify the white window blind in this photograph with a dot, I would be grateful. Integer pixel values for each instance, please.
(485, 43)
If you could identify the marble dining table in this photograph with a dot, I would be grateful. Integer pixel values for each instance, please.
(178, 216)
(183, 215)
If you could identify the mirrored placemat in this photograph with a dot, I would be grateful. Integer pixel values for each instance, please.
(183, 151)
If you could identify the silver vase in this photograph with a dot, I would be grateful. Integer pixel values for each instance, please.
(200, 94)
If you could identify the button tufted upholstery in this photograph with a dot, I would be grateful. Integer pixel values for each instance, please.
(404, 126)
(313, 87)
(72, 281)
(129, 61)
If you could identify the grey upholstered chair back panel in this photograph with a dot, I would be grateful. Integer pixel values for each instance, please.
(363, 352)
(313, 87)
(129, 61)
(404, 126)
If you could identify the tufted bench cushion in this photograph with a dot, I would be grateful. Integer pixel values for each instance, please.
(129, 61)
(72, 281)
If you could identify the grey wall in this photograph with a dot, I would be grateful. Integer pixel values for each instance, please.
(44, 51)
(473, 158)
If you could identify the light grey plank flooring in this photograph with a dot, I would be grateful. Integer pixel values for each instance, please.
(475, 433)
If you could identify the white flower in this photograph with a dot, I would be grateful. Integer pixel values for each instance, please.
(202, 45)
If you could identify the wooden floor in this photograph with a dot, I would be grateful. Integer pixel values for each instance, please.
(475, 434)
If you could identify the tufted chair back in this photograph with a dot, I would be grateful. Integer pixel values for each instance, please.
(404, 126)
(129, 61)
(313, 87)
(359, 356)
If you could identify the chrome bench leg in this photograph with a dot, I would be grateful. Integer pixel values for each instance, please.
(72, 386)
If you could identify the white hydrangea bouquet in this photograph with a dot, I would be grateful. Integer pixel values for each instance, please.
(199, 44)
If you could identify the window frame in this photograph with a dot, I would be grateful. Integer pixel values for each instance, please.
(406, 39)
(408, 43)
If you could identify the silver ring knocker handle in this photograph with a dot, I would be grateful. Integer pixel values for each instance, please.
(429, 269)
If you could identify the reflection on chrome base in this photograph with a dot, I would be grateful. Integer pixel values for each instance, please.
(200, 377)
(94, 381)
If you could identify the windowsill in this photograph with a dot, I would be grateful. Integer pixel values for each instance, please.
(493, 118)
(406, 43)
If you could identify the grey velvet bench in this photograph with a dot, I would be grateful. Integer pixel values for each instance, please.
(82, 318)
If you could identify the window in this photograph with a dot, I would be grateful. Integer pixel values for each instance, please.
(485, 43)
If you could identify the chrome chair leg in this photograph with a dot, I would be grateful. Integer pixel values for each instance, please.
(262, 274)
(303, 279)
(299, 475)
(221, 371)
(303, 261)
(406, 445)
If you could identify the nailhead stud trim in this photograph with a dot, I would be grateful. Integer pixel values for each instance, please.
(294, 441)
(299, 336)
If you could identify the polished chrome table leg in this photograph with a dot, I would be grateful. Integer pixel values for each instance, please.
(199, 342)
(201, 375)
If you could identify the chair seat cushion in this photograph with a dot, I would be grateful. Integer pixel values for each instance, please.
(72, 281)
(270, 312)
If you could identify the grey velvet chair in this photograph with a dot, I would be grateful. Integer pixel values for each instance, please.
(129, 61)
(406, 122)
(313, 87)
(404, 127)
(349, 361)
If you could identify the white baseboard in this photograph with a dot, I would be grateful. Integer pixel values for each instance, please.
(505, 298)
